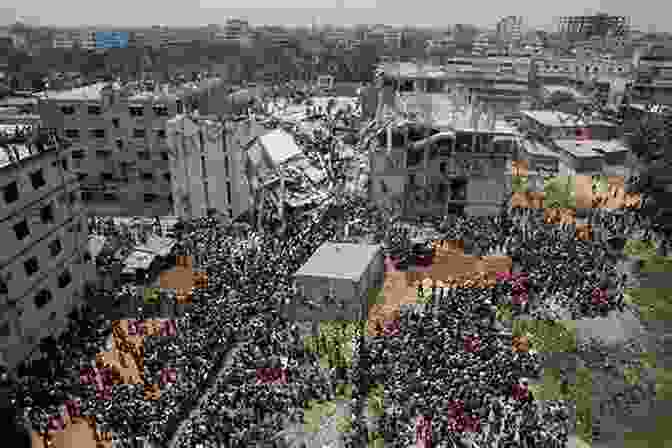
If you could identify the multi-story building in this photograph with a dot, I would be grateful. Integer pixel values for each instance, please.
(580, 146)
(84, 38)
(118, 137)
(385, 34)
(43, 225)
(452, 159)
(206, 166)
(235, 30)
(584, 27)
(653, 74)
(482, 45)
(509, 30)
(499, 82)
(65, 39)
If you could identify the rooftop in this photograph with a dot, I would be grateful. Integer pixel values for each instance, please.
(555, 119)
(606, 146)
(551, 89)
(15, 144)
(280, 146)
(577, 149)
(538, 149)
(86, 93)
(138, 260)
(339, 261)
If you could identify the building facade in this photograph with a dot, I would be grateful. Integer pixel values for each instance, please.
(653, 75)
(43, 264)
(509, 30)
(118, 136)
(338, 277)
(585, 27)
(453, 163)
(498, 82)
(205, 167)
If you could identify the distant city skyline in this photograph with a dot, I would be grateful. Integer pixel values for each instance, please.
(644, 14)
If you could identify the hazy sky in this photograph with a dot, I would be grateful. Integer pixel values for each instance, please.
(643, 13)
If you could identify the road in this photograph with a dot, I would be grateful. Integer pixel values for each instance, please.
(212, 380)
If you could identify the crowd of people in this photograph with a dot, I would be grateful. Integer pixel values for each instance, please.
(250, 287)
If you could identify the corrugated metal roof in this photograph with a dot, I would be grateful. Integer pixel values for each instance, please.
(577, 149)
(280, 146)
(339, 260)
(96, 245)
(156, 245)
(138, 260)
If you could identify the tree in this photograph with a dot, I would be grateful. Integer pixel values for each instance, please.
(650, 144)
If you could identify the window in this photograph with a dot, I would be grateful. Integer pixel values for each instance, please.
(87, 196)
(102, 155)
(78, 154)
(442, 167)
(166, 176)
(64, 279)
(411, 179)
(11, 192)
(204, 171)
(42, 298)
(148, 176)
(67, 110)
(55, 247)
(5, 330)
(115, 123)
(143, 155)
(120, 144)
(138, 133)
(94, 110)
(47, 214)
(228, 192)
(106, 176)
(136, 111)
(31, 266)
(150, 197)
(160, 133)
(97, 133)
(37, 179)
(64, 164)
(110, 197)
(21, 230)
(164, 155)
(72, 197)
(226, 166)
(72, 133)
(180, 106)
(160, 110)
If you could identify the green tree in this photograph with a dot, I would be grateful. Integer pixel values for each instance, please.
(650, 143)
(560, 192)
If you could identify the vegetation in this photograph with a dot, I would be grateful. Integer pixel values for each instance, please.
(315, 412)
(520, 184)
(376, 400)
(560, 192)
(334, 343)
(547, 336)
(582, 394)
(640, 248)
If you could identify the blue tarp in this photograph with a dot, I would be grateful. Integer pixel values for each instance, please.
(111, 39)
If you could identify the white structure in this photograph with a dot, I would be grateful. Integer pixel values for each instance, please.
(43, 228)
